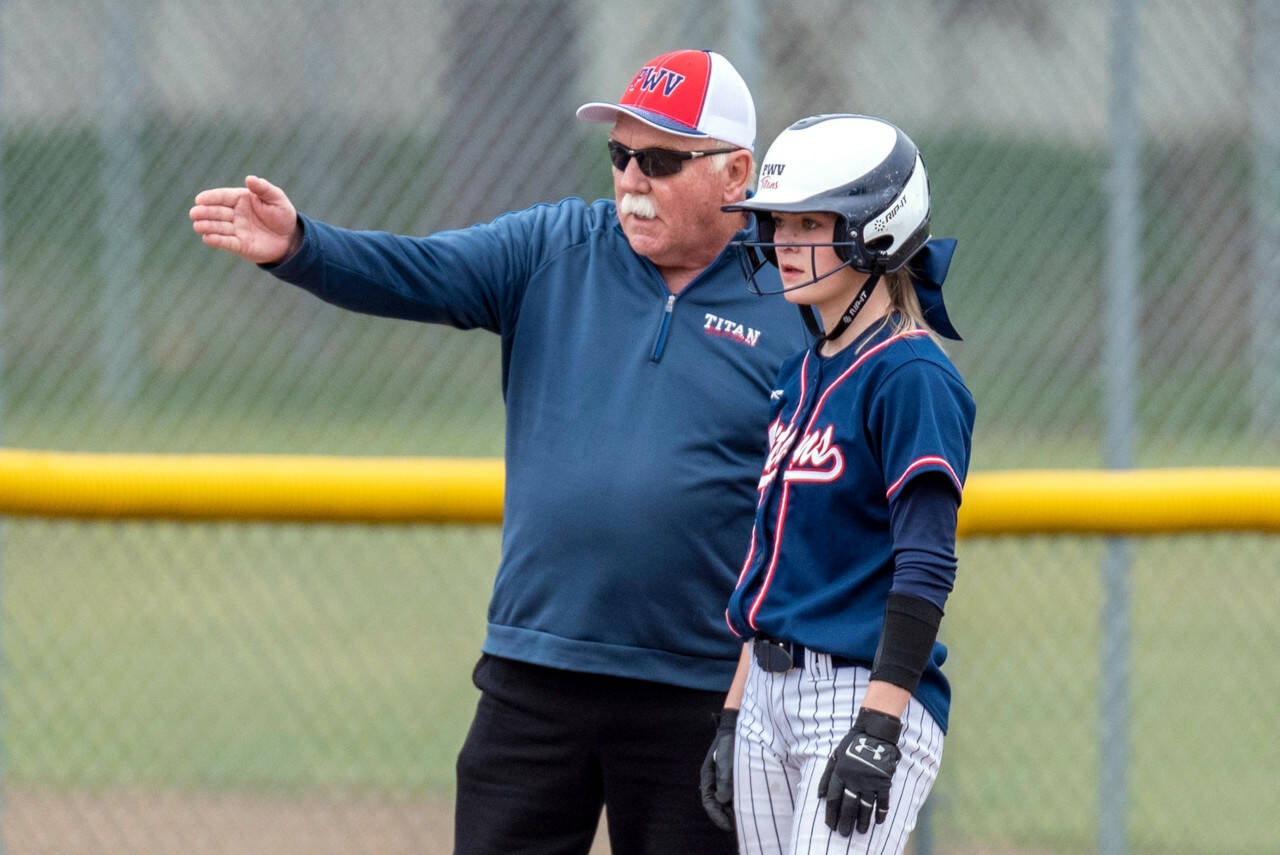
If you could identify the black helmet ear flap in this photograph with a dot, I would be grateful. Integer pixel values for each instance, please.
(764, 234)
(841, 234)
(753, 255)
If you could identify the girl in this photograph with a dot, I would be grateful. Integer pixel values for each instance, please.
(843, 705)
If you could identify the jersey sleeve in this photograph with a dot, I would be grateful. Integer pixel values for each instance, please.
(467, 278)
(921, 420)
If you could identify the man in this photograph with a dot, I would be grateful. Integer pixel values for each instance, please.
(636, 370)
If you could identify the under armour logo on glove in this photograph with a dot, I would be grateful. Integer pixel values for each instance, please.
(862, 746)
(856, 782)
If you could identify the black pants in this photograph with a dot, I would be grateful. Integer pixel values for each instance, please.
(549, 747)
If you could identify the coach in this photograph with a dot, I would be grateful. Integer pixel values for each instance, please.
(636, 370)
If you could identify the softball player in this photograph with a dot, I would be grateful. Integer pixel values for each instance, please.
(843, 705)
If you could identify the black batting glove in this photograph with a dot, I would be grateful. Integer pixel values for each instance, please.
(856, 781)
(717, 772)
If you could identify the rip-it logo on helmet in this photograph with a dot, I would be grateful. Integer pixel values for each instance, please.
(880, 222)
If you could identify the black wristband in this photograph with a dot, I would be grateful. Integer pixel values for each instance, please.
(881, 725)
(726, 719)
(906, 641)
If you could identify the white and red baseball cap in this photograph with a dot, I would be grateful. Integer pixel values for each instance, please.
(693, 93)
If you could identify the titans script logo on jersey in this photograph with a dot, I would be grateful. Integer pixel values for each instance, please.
(816, 457)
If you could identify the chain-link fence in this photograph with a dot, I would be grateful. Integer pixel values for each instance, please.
(1111, 169)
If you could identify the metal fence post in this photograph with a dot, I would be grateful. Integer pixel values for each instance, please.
(4, 523)
(120, 179)
(745, 48)
(1120, 353)
(1264, 312)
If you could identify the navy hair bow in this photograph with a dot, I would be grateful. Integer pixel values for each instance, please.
(927, 268)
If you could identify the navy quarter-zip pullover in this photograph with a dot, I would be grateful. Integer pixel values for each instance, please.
(636, 425)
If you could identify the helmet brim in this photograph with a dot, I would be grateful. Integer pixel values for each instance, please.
(754, 204)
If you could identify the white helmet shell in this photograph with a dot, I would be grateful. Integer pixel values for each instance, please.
(864, 170)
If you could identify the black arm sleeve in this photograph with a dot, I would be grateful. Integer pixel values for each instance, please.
(906, 642)
(922, 518)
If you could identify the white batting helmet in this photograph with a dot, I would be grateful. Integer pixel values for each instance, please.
(864, 170)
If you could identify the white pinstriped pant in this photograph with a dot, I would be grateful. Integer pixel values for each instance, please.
(788, 726)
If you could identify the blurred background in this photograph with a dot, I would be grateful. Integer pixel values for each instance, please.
(1111, 169)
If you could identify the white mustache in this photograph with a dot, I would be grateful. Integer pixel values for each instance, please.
(638, 204)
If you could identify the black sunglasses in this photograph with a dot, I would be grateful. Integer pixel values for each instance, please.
(656, 162)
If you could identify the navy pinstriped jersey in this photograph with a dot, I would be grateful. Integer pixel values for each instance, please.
(846, 434)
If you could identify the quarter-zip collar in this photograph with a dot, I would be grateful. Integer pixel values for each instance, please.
(669, 299)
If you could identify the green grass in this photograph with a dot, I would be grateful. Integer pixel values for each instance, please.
(1021, 762)
(240, 657)
(293, 659)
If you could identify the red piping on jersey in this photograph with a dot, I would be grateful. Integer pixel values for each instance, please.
(729, 623)
(786, 489)
(861, 359)
(804, 385)
(916, 464)
(751, 548)
(773, 559)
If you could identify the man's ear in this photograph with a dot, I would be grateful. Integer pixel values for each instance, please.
(737, 174)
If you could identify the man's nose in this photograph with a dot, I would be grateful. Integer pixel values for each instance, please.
(632, 180)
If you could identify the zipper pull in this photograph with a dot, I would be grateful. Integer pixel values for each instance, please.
(662, 328)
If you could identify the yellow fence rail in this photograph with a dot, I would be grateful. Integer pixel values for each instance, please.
(250, 487)
(297, 488)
